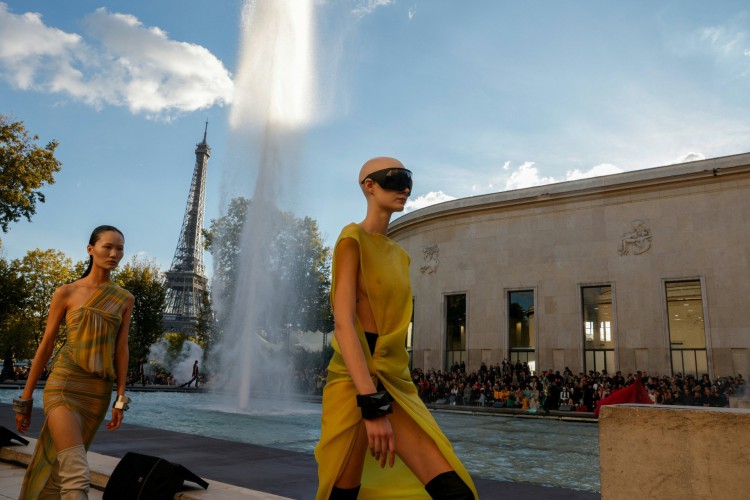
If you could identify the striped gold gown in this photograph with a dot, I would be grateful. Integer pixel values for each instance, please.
(385, 272)
(81, 379)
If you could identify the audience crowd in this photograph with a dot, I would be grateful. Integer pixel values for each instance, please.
(509, 385)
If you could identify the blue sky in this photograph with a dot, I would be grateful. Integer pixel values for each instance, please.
(474, 97)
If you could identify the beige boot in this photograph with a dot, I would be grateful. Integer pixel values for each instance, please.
(51, 489)
(74, 473)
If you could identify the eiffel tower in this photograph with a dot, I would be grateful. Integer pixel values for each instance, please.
(186, 279)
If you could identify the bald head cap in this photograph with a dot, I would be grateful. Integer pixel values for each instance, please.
(379, 163)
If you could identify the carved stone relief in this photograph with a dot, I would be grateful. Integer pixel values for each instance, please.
(636, 241)
(431, 261)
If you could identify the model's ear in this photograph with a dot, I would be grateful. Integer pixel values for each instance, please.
(368, 185)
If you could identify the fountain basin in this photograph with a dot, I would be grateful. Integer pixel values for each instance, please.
(544, 452)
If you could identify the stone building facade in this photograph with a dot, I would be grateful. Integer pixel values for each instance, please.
(645, 270)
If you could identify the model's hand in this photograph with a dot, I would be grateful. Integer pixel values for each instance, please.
(380, 440)
(23, 422)
(116, 419)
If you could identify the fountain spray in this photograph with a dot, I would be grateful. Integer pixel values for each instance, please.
(272, 105)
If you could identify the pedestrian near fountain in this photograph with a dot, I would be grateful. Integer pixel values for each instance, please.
(196, 373)
(372, 412)
(78, 392)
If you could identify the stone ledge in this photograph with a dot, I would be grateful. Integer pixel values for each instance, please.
(673, 452)
(102, 466)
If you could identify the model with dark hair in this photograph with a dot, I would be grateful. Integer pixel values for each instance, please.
(369, 401)
(79, 389)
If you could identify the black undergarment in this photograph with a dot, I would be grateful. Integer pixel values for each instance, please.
(372, 339)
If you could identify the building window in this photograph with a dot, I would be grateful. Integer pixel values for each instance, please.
(598, 336)
(687, 329)
(588, 327)
(521, 327)
(455, 329)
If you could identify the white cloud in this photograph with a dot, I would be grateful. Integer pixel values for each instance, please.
(489, 186)
(122, 63)
(690, 157)
(527, 175)
(412, 12)
(28, 46)
(426, 200)
(723, 38)
(365, 7)
(728, 43)
(595, 171)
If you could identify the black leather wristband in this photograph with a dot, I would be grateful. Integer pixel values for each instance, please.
(375, 405)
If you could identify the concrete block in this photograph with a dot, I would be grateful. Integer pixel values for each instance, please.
(674, 452)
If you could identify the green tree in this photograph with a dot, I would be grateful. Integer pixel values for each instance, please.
(80, 267)
(297, 258)
(304, 263)
(44, 271)
(13, 337)
(143, 279)
(173, 343)
(204, 327)
(223, 241)
(13, 290)
(24, 169)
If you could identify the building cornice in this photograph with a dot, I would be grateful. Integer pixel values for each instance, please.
(715, 170)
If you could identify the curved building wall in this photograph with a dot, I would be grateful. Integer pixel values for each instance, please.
(663, 252)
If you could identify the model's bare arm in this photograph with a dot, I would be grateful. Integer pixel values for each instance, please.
(345, 310)
(57, 308)
(379, 432)
(121, 361)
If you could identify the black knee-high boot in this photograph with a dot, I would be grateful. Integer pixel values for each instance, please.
(448, 486)
(344, 493)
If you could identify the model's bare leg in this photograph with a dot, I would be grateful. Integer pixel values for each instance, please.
(70, 478)
(418, 450)
(65, 428)
(351, 476)
(420, 453)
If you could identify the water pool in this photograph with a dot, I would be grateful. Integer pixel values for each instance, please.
(540, 451)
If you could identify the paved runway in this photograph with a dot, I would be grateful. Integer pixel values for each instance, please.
(286, 473)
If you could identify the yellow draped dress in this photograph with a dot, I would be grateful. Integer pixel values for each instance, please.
(385, 270)
(81, 379)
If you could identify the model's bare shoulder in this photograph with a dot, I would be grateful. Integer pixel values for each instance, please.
(64, 291)
(61, 297)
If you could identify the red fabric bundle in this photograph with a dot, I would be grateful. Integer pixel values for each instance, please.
(633, 393)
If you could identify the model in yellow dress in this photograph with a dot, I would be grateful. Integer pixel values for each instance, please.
(371, 292)
(78, 392)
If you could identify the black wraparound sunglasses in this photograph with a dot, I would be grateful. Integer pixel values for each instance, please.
(392, 179)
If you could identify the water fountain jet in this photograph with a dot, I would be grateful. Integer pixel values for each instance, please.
(273, 103)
